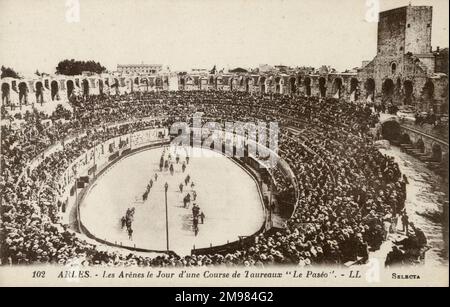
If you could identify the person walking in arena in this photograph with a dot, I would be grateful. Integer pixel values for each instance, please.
(181, 187)
(195, 210)
(195, 225)
(186, 201)
(183, 167)
(202, 217)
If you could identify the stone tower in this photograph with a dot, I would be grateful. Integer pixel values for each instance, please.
(405, 30)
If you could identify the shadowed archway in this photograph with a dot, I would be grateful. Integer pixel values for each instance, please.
(39, 92)
(5, 93)
(70, 86)
(322, 87)
(369, 87)
(388, 90)
(23, 93)
(54, 90)
(307, 86)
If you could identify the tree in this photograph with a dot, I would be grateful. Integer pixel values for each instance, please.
(8, 72)
(73, 67)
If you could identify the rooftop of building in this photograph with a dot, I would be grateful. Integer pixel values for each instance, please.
(138, 65)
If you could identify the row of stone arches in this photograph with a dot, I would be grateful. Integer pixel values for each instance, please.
(84, 86)
(23, 91)
(405, 90)
(276, 83)
(337, 86)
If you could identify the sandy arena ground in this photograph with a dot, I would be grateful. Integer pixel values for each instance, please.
(226, 194)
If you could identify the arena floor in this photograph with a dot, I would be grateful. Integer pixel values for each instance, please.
(226, 194)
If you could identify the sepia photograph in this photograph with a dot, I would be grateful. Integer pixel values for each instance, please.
(241, 143)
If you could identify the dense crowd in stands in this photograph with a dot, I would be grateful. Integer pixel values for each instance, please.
(345, 187)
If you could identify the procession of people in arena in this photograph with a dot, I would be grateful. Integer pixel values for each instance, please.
(350, 196)
(186, 190)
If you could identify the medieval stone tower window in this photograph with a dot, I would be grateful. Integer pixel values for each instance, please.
(393, 68)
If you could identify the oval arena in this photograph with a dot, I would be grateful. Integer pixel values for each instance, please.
(324, 200)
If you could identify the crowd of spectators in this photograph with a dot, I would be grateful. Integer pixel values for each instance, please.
(345, 187)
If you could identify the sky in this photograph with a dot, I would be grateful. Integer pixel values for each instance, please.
(185, 34)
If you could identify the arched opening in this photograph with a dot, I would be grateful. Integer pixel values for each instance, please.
(420, 145)
(231, 84)
(408, 86)
(23, 93)
(369, 86)
(436, 153)
(54, 89)
(393, 68)
(211, 80)
(85, 86)
(405, 139)
(354, 95)
(5, 93)
(337, 88)
(247, 85)
(322, 87)
(390, 131)
(39, 92)
(388, 89)
(278, 85)
(262, 84)
(182, 82)
(144, 84)
(158, 82)
(293, 86)
(136, 81)
(308, 86)
(428, 91)
(70, 87)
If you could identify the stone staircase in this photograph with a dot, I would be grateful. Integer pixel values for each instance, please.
(427, 158)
